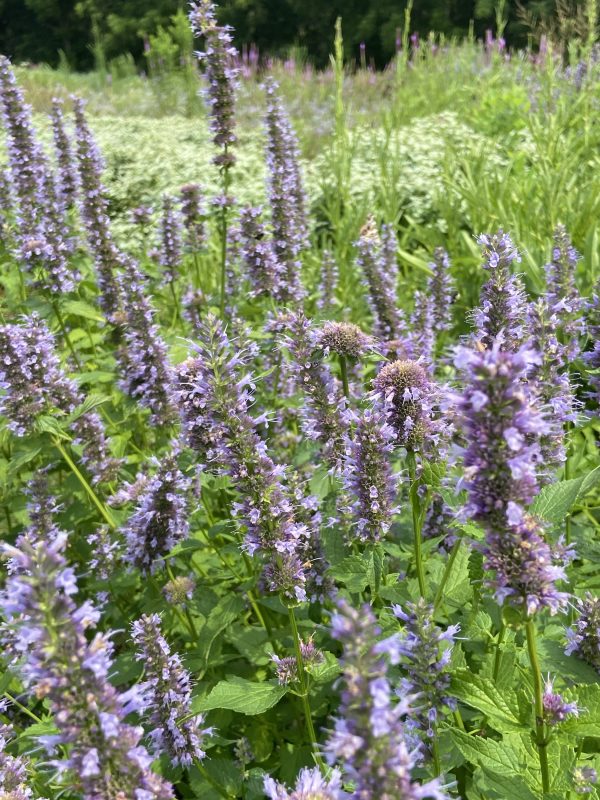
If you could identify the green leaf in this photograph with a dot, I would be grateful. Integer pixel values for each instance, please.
(92, 401)
(327, 671)
(588, 721)
(553, 660)
(21, 458)
(504, 786)
(242, 696)
(352, 572)
(222, 615)
(80, 309)
(556, 500)
(498, 757)
(500, 708)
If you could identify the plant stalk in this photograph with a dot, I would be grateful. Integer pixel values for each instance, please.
(416, 518)
(540, 732)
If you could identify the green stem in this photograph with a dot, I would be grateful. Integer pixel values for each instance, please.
(540, 733)
(344, 374)
(65, 333)
(21, 707)
(304, 688)
(85, 484)
(567, 476)
(190, 621)
(416, 518)
(224, 220)
(498, 655)
(435, 751)
(439, 595)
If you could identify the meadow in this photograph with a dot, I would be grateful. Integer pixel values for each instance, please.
(299, 390)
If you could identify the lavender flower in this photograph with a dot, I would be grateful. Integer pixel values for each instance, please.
(324, 415)
(160, 519)
(5, 206)
(503, 306)
(310, 785)
(425, 650)
(141, 216)
(13, 770)
(67, 171)
(170, 240)
(287, 667)
(502, 427)
(562, 294)
(286, 195)
(406, 392)
(93, 206)
(440, 289)
(556, 709)
(583, 636)
(369, 736)
(438, 520)
(48, 639)
(584, 779)
(213, 389)
(377, 260)
(166, 696)
(193, 215)
(551, 380)
(592, 357)
(222, 72)
(260, 261)
(147, 374)
(39, 220)
(35, 385)
(367, 474)
(328, 282)
(422, 335)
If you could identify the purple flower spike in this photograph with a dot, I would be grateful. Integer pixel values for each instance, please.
(503, 305)
(286, 196)
(67, 170)
(310, 785)
(440, 288)
(160, 520)
(192, 211)
(406, 391)
(369, 740)
(328, 282)
(583, 636)
(503, 427)
(220, 61)
(556, 710)
(425, 650)
(262, 268)
(562, 294)
(592, 357)
(57, 661)
(166, 696)
(170, 240)
(377, 260)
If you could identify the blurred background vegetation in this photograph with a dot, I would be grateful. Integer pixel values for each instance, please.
(86, 34)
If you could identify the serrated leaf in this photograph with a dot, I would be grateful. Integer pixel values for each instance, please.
(500, 708)
(588, 721)
(504, 786)
(21, 458)
(223, 614)
(242, 696)
(80, 309)
(327, 671)
(352, 572)
(91, 401)
(47, 424)
(556, 500)
(498, 757)
(553, 660)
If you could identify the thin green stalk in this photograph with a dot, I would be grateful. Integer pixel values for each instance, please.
(85, 484)
(567, 477)
(435, 752)
(190, 621)
(498, 655)
(65, 333)
(224, 223)
(416, 518)
(540, 732)
(176, 312)
(304, 688)
(21, 707)
(344, 374)
(439, 595)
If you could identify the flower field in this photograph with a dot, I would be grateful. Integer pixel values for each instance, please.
(299, 391)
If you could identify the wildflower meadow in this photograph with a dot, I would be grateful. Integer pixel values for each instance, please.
(299, 391)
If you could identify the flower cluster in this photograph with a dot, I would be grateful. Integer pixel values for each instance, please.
(262, 268)
(48, 641)
(287, 666)
(422, 334)
(328, 282)
(192, 212)
(67, 170)
(14, 770)
(323, 417)
(440, 288)
(503, 426)
(377, 260)
(214, 389)
(556, 709)
(147, 374)
(286, 195)
(425, 651)
(219, 59)
(35, 384)
(583, 636)
(160, 519)
(310, 785)
(170, 240)
(562, 294)
(369, 739)
(367, 473)
(344, 339)
(166, 695)
(406, 392)
(500, 317)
